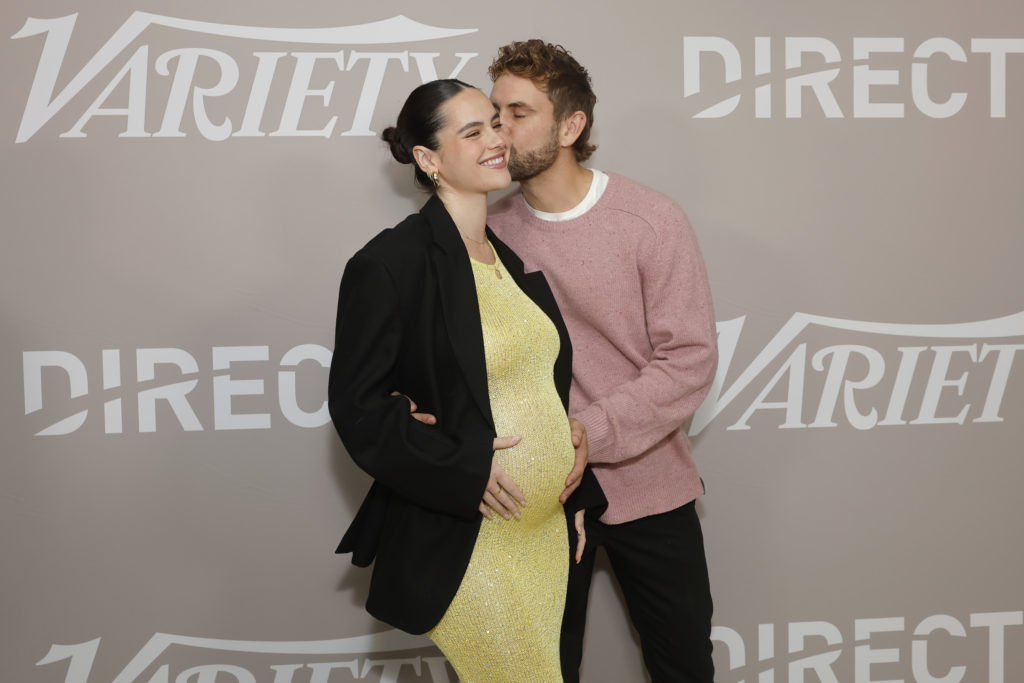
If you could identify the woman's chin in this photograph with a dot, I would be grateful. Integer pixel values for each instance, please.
(501, 181)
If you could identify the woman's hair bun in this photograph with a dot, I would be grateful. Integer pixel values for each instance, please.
(398, 150)
(419, 122)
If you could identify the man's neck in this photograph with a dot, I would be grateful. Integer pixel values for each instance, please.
(559, 188)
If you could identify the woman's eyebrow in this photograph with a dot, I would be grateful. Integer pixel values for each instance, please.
(469, 125)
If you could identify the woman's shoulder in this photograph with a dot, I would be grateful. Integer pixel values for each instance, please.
(409, 238)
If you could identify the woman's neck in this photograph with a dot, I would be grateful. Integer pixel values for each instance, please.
(469, 211)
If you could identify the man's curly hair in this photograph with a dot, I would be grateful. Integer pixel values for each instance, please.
(554, 71)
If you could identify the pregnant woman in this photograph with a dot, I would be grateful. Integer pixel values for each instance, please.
(440, 310)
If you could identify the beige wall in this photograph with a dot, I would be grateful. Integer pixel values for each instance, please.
(167, 301)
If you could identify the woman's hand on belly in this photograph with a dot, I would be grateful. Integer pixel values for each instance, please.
(502, 495)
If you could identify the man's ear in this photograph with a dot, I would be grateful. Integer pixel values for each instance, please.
(425, 158)
(571, 128)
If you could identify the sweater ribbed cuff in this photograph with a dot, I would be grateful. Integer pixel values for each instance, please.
(600, 441)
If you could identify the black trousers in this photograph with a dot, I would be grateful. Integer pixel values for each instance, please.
(660, 565)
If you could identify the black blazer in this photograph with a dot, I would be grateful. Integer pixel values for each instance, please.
(409, 321)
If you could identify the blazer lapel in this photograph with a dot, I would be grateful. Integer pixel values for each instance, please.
(458, 302)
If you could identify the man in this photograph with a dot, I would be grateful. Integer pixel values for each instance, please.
(625, 268)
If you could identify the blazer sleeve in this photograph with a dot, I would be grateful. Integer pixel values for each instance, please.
(421, 463)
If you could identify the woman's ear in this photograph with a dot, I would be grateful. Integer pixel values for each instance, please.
(425, 158)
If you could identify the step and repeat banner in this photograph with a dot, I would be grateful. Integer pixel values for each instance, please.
(183, 183)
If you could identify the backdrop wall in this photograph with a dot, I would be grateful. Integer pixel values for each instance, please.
(183, 183)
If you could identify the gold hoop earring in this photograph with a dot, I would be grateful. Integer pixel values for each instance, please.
(433, 179)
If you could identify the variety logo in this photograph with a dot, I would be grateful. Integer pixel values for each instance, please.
(252, 74)
(877, 92)
(925, 385)
(370, 657)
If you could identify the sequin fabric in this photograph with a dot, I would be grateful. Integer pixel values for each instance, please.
(505, 620)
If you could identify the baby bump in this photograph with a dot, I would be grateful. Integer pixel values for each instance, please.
(542, 459)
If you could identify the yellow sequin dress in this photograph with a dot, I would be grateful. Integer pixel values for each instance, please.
(505, 620)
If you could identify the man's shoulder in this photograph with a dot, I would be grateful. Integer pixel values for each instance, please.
(629, 195)
(657, 210)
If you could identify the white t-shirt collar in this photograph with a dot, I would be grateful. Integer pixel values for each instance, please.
(597, 187)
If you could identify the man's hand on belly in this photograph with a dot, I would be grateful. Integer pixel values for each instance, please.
(579, 443)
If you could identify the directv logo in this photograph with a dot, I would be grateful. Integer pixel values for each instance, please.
(175, 395)
(874, 87)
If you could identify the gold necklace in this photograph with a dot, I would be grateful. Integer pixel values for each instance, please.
(492, 266)
(467, 237)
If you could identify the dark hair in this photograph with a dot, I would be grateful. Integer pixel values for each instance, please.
(419, 121)
(556, 72)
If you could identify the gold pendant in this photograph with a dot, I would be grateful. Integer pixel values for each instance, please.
(498, 273)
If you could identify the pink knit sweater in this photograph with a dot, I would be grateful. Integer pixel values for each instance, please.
(630, 282)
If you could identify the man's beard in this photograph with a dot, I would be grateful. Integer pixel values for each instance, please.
(526, 165)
